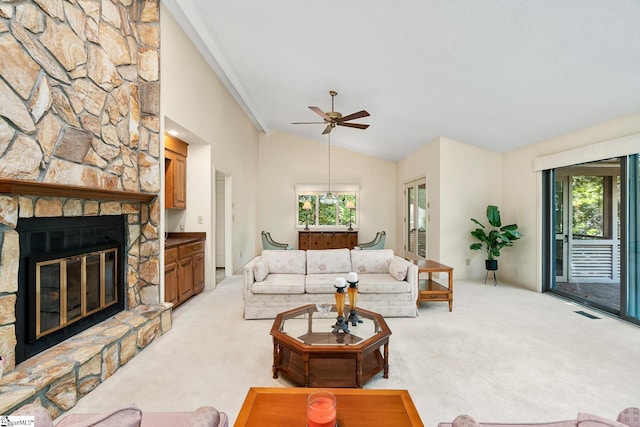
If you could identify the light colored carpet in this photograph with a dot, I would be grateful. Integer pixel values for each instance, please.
(503, 354)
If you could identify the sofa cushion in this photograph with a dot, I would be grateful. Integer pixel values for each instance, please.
(328, 261)
(40, 415)
(381, 284)
(589, 420)
(260, 270)
(465, 421)
(283, 262)
(204, 416)
(630, 417)
(124, 417)
(280, 284)
(374, 261)
(322, 283)
(398, 268)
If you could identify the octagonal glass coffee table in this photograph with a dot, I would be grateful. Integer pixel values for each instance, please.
(308, 353)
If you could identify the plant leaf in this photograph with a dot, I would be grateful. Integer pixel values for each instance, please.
(493, 215)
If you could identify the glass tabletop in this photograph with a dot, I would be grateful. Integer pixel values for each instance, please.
(310, 327)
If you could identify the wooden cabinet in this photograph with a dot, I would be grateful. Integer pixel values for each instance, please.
(175, 173)
(327, 239)
(183, 270)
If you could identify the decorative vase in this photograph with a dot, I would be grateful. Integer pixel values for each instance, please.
(491, 264)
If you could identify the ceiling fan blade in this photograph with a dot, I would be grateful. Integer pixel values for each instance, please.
(353, 125)
(328, 129)
(320, 113)
(309, 123)
(353, 116)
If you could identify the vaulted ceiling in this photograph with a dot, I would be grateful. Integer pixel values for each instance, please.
(498, 74)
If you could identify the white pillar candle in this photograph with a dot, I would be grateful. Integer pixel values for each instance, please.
(340, 282)
(352, 277)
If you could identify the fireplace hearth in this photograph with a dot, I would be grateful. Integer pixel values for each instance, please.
(71, 277)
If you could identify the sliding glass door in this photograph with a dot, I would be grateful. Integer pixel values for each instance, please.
(631, 299)
(592, 230)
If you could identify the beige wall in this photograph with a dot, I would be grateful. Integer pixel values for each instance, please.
(461, 181)
(286, 160)
(193, 97)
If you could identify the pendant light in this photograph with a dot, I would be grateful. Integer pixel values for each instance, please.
(329, 197)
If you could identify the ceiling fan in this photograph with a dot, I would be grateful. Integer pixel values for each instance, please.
(333, 118)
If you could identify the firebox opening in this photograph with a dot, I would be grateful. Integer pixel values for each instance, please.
(71, 277)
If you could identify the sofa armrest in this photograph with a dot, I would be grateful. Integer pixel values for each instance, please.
(412, 278)
(249, 277)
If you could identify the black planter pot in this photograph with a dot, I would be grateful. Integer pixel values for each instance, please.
(491, 264)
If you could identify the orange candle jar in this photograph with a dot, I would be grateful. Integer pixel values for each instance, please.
(321, 409)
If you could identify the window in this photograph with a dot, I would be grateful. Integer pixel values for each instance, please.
(589, 218)
(322, 215)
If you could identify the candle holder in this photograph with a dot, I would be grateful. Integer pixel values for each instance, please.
(353, 299)
(341, 324)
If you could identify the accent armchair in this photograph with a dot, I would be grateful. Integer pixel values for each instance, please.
(269, 243)
(376, 243)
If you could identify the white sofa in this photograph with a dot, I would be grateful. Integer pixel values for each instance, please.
(278, 281)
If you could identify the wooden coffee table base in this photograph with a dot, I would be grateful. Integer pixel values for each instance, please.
(330, 370)
(278, 407)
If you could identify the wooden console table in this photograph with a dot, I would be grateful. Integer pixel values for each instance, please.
(327, 239)
(432, 290)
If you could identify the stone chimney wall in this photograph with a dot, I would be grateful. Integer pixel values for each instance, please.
(79, 106)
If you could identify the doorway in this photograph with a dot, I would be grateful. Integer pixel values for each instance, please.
(223, 226)
(415, 219)
(587, 232)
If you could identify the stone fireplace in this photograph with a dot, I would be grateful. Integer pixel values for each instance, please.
(79, 138)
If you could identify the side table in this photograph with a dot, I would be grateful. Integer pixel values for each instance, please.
(434, 291)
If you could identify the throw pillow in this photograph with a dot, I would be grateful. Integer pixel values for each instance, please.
(260, 271)
(125, 417)
(630, 417)
(398, 268)
(38, 412)
(589, 420)
(204, 417)
(465, 421)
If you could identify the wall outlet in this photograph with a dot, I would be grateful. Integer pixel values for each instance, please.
(467, 261)
(181, 227)
(200, 219)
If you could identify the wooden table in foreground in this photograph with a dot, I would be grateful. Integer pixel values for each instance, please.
(278, 407)
(432, 290)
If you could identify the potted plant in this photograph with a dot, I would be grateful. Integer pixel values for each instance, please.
(495, 239)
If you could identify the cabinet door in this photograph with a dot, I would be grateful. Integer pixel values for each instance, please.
(175, 169)
(171, 275)
(315, 241)
(185, 284)
(180, 182)
(352, 239)
(303, 240)
(198, 272)
(171, 282)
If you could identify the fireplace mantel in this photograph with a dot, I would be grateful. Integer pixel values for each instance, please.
(34, 188)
